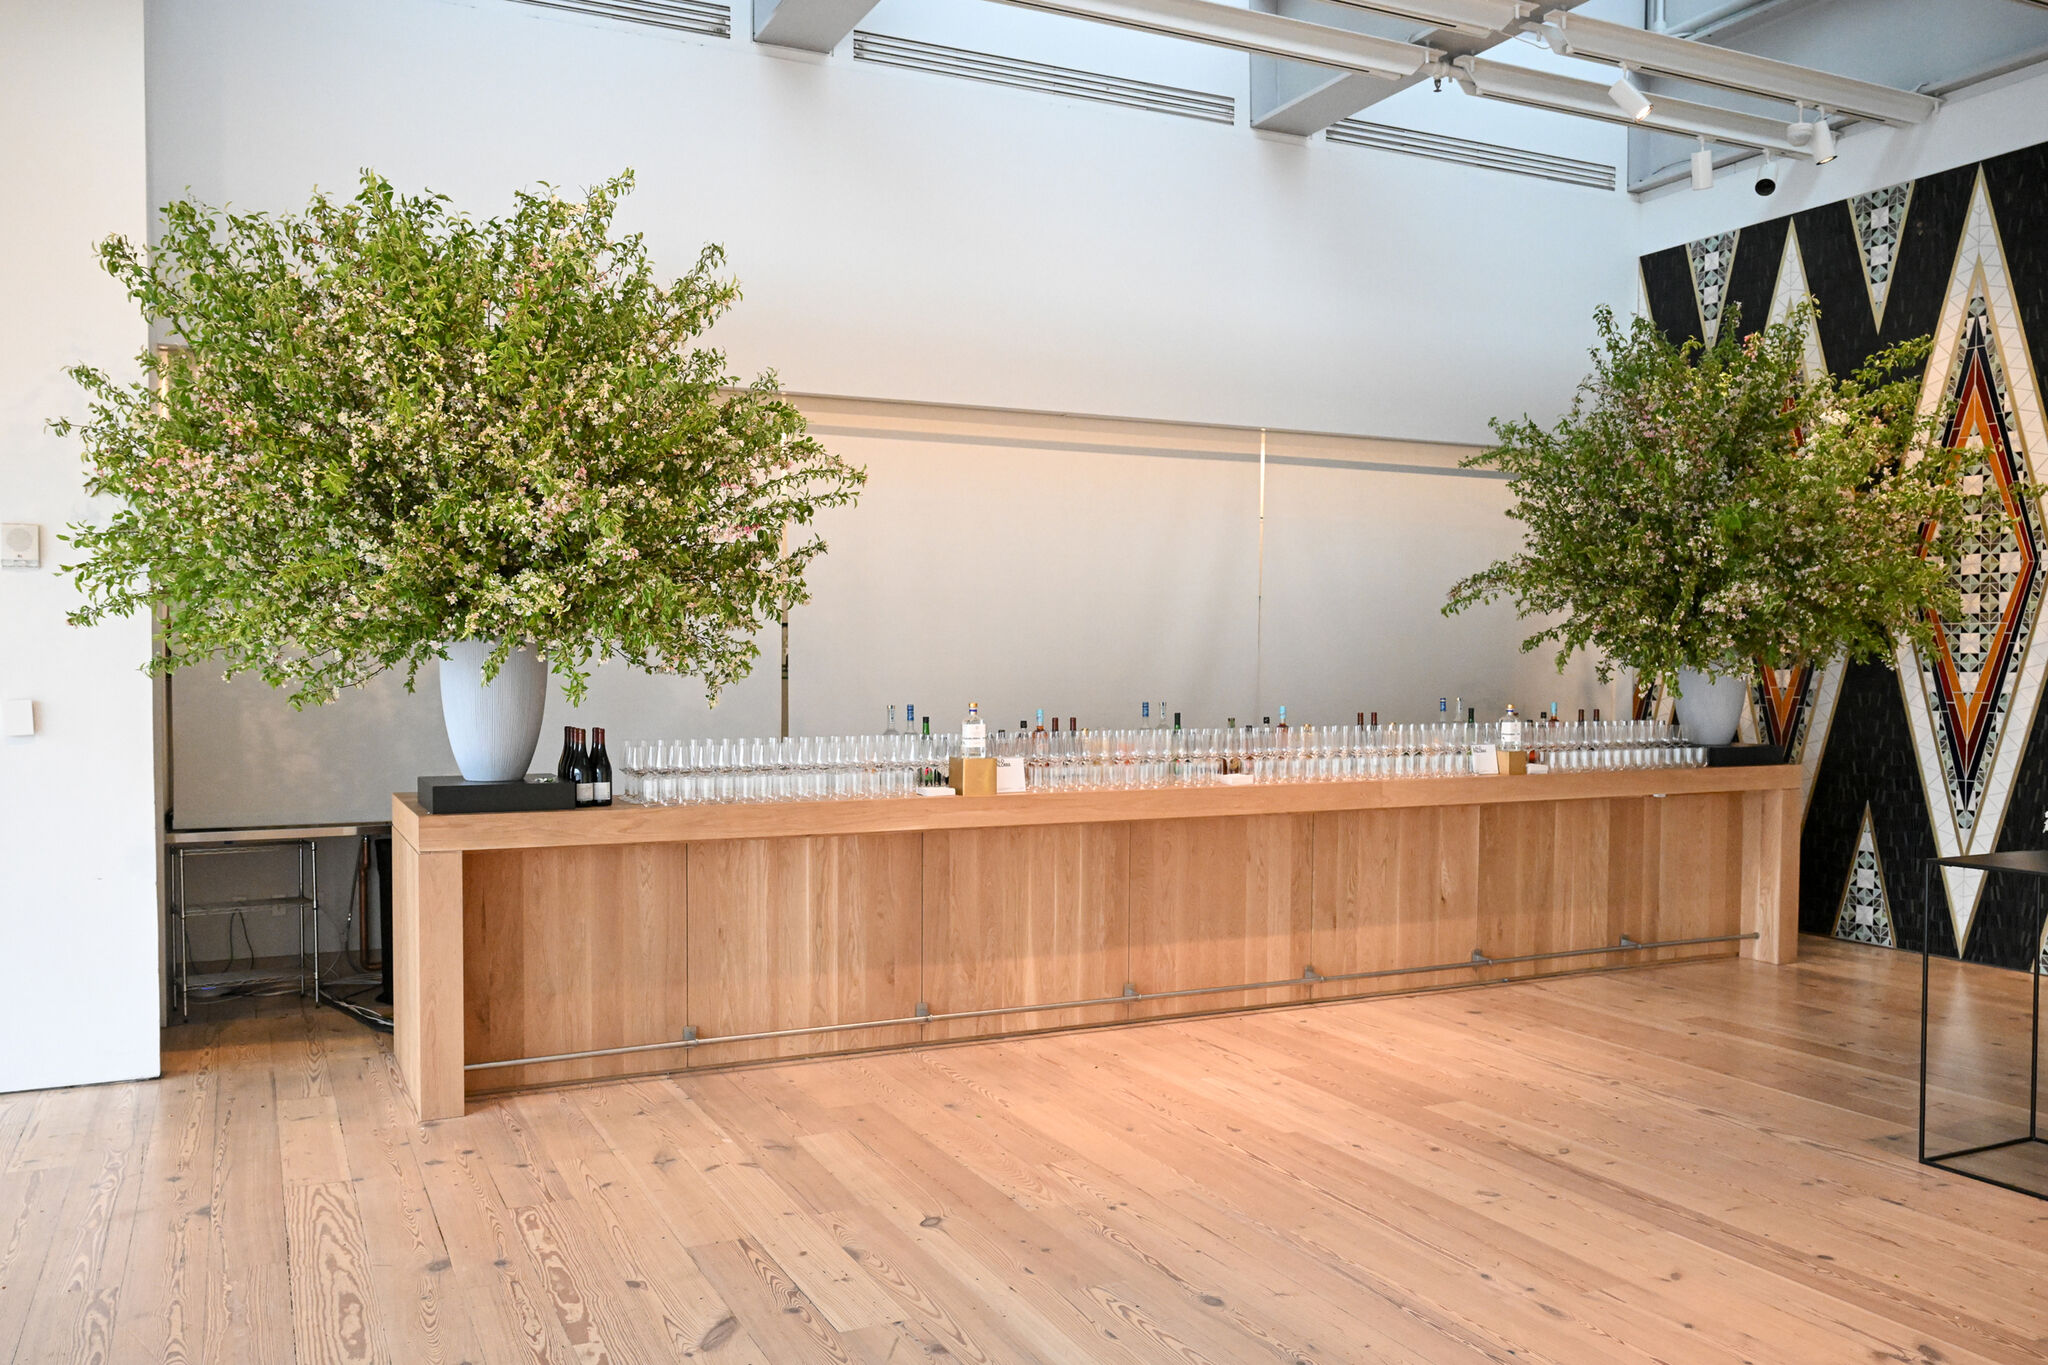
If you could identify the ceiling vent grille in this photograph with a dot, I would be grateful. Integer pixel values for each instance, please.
(684, 16)
(1051, 80)
(1353, 132)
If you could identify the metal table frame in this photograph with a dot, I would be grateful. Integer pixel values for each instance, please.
(2026, 864)
(183, 844)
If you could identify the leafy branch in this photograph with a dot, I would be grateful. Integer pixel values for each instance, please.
(388, 426)
(1705, 507)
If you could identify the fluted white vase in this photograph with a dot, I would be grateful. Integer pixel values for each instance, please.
(1710, 709)
(492, 729)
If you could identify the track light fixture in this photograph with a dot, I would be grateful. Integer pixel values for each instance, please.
(1823, 141)
(1628, 99)
(1817, 138)
(1703, 167)
(1767, 176)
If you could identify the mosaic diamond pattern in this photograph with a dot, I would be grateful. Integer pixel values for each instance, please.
(1998, 573)
(1997, 570)
(1782, 697)
(1865, 914)
(1711, 259)
(1879, 218)
(1971, 702)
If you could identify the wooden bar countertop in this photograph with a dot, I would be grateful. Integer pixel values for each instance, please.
(543, 947)
(632, 824)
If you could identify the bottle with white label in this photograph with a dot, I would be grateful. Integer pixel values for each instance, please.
(974, 733)
(600, 767)
(1511, 734)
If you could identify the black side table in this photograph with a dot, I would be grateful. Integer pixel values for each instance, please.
(2032, 863)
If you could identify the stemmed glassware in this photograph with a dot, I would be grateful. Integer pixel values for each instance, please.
(673, 772)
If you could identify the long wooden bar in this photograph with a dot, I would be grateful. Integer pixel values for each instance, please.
(663, 938)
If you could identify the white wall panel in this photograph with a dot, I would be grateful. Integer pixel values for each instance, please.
(1357, 565)
(78, 879)
(908, 236)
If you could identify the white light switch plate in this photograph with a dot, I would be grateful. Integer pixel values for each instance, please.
(21, 545)
(17, 717)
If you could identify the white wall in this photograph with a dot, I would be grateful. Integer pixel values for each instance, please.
(909, 236)
(78, 866)
(1999, 116)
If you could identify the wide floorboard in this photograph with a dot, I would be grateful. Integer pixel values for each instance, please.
(1703, 1162)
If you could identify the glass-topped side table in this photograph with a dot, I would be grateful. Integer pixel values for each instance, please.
(1992, 1150)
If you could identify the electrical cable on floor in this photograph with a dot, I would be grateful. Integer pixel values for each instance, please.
(351, 1005)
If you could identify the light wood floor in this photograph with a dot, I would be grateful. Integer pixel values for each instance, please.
(1709, 1162)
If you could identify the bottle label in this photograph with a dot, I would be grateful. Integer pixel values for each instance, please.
(586, 792)
(601, 792)
(1511, 734)
(974, 739)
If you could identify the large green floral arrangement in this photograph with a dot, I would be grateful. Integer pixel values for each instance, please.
(384, 426)
(1705, 507)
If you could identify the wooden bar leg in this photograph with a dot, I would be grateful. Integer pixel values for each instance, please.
(1770, 875)
(427, 977)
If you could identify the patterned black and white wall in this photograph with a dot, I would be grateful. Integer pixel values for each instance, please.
(1918, 755)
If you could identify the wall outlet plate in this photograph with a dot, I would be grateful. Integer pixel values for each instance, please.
(17, 717)
(21, 545)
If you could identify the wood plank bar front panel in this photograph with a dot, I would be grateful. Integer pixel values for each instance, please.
(426, 977)
(574, 931)
(798, 933)
(1022, 916)
(1770, 874)
(571, 950)
(1699, 851)
(1218, 903)
(1393, 889)
(1408, 888)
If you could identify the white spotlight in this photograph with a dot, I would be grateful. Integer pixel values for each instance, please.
(1703, 167)
(1767, 176)
(1628, 99)
(1823, 141)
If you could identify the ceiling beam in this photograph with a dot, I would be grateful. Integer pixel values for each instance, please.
(1478, 18)
(1665, 55)
(813, 25)
(1290, 99)
(1250, 30)
(1589, 99)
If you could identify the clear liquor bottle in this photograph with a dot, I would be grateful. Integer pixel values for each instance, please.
(974, 733)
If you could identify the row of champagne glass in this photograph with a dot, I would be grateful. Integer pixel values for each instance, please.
(674, 772)
(798, 768)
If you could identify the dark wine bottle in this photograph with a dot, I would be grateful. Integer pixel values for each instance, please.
(579, 768)
(600, 769)
(562, 765)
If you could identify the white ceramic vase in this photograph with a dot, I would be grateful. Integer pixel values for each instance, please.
(492, 729)
(1710, 709)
